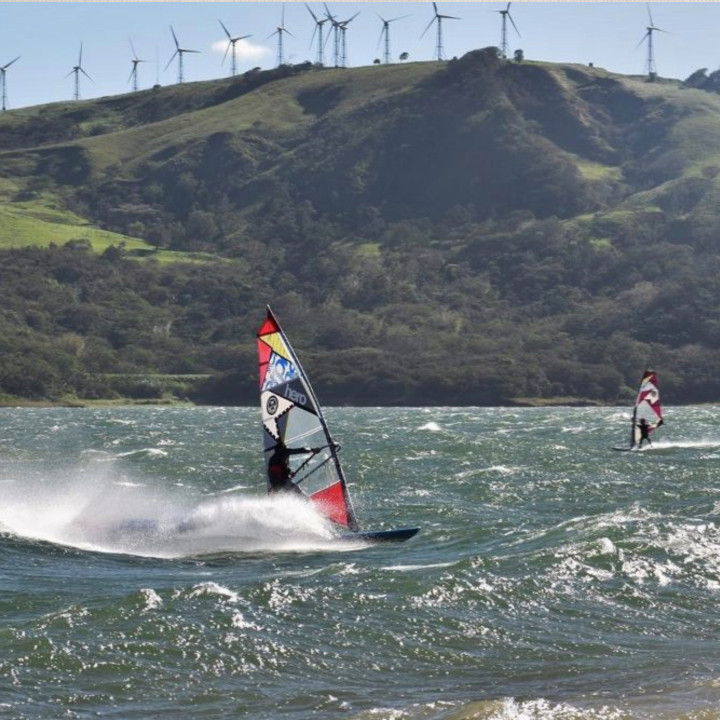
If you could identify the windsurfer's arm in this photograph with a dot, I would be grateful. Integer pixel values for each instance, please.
(300, 451)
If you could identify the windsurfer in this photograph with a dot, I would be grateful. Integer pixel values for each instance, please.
(278, 468)
(644, 432)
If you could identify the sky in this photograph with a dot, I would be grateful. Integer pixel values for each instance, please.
(47, 37)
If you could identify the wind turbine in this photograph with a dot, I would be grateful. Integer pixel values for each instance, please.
(343, 26)
(134, 72)
(179, 52)
(652, 70)
(336, 36)
(503, 41)
(231, 43)
(3, 82)
(385, 32)
(77, 69)
(438, 18)
(280, 31)
(319, 30)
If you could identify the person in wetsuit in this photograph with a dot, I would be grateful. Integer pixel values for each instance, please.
(278, 469)
(644, 432)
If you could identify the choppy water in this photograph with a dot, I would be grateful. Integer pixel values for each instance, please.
(553, 578)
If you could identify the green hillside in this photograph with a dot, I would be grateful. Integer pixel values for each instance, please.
(469, 232)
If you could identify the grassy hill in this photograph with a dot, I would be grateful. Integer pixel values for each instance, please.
(473, 231)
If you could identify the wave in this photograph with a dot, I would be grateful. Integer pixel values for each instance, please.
(142, 453)
(703, 444)
(431, 426)
(102, 515)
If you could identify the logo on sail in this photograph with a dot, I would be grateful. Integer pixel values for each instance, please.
(272, 405)
(295, 396)
(279, 371)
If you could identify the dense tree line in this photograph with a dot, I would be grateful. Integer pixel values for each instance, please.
(536, 312)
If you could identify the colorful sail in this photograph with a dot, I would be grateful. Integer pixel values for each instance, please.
(293, 419)
(647, 407)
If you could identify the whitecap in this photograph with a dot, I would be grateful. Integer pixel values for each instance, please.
(151, 598)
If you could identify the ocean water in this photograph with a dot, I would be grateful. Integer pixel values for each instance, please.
(145, 574)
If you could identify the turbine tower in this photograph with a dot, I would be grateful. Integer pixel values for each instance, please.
(651, 28)
(437, 17)
(320, 59)
(179, 52)
(77, 69)
(3, 82)
(503, 39)
(385, 33)
(231, 44)
(280, 32)
(134, 72)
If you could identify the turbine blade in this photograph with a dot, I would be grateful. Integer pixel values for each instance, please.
(5, 67)
(171, 59)
(429, 24)
(642, 40)
(314, 17)
(227, 32)
(80, 57)
(227, 50)
(177, 44)
(132, 47)
(133, 72)
(86, 75)
(649, 13)
(513, 24)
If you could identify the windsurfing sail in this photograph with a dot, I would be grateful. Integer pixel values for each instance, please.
(292, 419)
(647, 407)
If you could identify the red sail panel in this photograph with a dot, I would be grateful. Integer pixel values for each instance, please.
(269, 326)
(332, 503)
(264, 352)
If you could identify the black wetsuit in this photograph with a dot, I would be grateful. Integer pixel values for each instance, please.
(278, 469)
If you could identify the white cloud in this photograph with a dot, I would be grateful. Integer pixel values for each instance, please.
(244, 50)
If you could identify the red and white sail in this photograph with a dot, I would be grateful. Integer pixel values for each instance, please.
(647, 406)
(291, 413)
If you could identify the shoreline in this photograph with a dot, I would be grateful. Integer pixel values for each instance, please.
(177, 402)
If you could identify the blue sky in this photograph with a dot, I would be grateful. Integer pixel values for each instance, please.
(47, 36)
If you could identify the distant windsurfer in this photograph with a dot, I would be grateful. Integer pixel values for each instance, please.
(278, 468)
